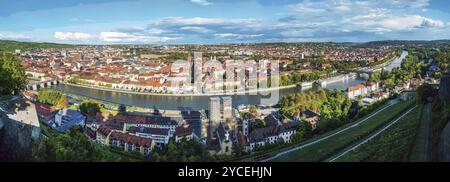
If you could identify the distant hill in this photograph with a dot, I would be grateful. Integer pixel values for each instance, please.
(405, 43)
(11, 45)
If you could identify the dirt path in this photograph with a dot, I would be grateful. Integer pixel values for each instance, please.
(422, 151)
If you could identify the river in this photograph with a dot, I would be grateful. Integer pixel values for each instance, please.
(397, 61)
(174, 102)
(197, 102)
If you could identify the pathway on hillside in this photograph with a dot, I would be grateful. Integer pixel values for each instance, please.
(422, 150)
(446, 143)
(319, 139)
(368, 138)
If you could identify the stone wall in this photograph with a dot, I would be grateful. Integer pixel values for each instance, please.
(444, 87)
(20, 130)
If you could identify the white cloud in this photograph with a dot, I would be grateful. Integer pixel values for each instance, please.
(237, 36)
(13, 35)
(416, 4)
(126, 37)
(72, 36)
(154, 31)
(202, 21)
(388, 23)
(196, 29)
(201, 2)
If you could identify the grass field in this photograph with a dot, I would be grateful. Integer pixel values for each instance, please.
(321, 150)
(393, 144)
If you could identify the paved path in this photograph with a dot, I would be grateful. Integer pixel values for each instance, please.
(280, 154)
(428, 133)
(446, 143)
(422, 151)
(355, 146)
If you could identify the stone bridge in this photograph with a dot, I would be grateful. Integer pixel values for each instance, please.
(43, 84)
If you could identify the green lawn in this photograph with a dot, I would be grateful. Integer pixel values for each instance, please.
(393, 144)
(320, 151)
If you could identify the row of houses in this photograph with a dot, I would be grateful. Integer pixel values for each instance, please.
(275, 131)
(360, 89)
(130, 132)
(142, 139)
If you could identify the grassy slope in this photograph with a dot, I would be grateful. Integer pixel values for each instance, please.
(10, 45)
(273, 151)
(394, 144)
(326, 148)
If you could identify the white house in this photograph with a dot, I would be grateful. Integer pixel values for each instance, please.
(355, 91)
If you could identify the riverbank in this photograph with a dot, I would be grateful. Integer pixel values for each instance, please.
(189, 95)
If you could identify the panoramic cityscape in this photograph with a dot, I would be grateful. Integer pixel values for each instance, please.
(210, 81)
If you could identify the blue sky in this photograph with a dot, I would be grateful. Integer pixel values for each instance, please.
(222, 21)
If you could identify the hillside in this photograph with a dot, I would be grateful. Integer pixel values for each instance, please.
(10, 45)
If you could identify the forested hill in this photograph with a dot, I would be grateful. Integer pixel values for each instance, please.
(11, 45)
(405, 43)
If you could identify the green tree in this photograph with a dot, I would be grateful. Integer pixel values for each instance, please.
(423, 91)
(122, 109)
(48, 96)
(259, 123)
(63, 103)
(90, 108)
(304, 131)
(252, 109)
(12, 74)
(72, 146)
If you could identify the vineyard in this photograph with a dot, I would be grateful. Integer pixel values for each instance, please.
(395, 144)
(329, 146)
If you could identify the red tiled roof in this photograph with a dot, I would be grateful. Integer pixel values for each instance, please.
(104, 130)
(183, 130)
(44, 108)
(92, 134)
(242, 139)
(127, 138)
(356, 87)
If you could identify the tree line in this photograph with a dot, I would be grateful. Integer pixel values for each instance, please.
(12, 74)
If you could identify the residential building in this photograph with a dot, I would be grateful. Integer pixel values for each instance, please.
(355, 91)
(214, 110)
(227, 108)
(311, 117)
(372, 87)
(246, 126)
(271, 135)
(131, 143)
(66, 118)
(102, 135)
(160, 136)
(221, 143)
(184, 131)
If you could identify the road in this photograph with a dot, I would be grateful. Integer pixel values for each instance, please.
(280, 154)
(355, 146)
